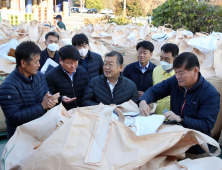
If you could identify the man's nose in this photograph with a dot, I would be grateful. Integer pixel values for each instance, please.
(177, 76)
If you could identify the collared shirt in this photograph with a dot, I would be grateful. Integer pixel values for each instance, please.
(111, 86)
(143, 69)
(71, 77)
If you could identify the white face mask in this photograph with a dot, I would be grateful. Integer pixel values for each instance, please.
(56, 21)
(166, 66)
(53, 47)
(83, 52)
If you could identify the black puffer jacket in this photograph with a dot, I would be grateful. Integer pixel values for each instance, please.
(98, 91)
(21, 98)
(59, 81)
(94, 65)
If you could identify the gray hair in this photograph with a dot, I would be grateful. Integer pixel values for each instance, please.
(119, 57)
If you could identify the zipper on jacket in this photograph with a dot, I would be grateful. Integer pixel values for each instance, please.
(185, 93)
(73, 90)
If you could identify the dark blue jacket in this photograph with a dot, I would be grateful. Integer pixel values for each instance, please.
(143, 81)
(44, 56)
(201, 104)
(59, 81)
(98, 91)
(94, 65)
(21, 98)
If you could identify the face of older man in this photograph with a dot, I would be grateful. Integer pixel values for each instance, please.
(186, 78)
(111, 68)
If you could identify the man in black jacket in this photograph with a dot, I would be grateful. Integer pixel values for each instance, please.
(141, 71)
(51, 41)
(68, 78)
(90, 61)
(110, 88)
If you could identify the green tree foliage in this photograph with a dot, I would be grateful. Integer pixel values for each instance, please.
(134, 8)
(189, 14)
(97, 4)
(120, 21)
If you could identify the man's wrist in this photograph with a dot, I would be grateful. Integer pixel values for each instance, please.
(181, 119)
(142, 102)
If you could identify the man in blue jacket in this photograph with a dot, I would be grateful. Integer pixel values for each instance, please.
(52, 43)
(69, 79)
(90, 61)
(195, 103)
(141, 71)
(24, 94)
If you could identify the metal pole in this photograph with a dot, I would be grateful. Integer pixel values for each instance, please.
(81, 8)
(124, 9)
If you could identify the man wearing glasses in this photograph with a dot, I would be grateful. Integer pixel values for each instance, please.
(112, 87)
(90, 61)
(51, 41)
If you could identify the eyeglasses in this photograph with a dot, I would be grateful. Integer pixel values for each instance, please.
(109, 65)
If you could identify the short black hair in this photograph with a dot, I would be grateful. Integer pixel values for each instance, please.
(58, 16)
(51, 33)
(145, 44)
(26, 51)
(169, 47)
(119, 57)
(79, 40)
(69, 52)
(188, 58)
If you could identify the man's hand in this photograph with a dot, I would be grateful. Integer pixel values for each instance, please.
(49, 101)
(140, 93)
(45, 101)
(172, 116)
(53, 99)
(144, 108)
(66, 99)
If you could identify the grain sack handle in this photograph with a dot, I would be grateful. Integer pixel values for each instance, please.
(169, 25)
(109, 111)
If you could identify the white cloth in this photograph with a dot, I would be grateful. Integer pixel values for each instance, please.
(142, 125)
(143, 69)
(111, 86)
(48, 62)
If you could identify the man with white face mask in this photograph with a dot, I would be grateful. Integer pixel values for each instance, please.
(90, 61)
(51, 41)
(168, 53)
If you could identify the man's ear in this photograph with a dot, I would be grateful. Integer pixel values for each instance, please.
(121, 67)
(23, 63)
(46, 43)
(60, 61)
(196, 70)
